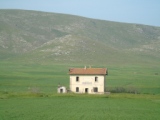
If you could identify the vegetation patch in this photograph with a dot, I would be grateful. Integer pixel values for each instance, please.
(124, 90)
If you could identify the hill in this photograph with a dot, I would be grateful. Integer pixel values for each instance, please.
(32, 36)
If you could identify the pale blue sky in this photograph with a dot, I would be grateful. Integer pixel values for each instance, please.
(130, 11)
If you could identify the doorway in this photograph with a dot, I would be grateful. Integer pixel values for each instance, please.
(61, 90)
(86, 90)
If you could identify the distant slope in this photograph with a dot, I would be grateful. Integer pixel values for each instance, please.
(49, 37)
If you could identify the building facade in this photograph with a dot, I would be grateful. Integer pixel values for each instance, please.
(61, 89)
(88, 80)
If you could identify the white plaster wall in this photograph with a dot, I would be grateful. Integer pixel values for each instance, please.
(87, 82)
(64, 89)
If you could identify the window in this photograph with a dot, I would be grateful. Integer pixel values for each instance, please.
(95, 89)
(77, 89)
(77, 79)
(96, 79)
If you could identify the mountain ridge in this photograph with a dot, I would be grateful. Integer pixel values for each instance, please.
(41, 36)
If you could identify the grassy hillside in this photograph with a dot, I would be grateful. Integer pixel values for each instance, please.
(38, 48)
(49, 37)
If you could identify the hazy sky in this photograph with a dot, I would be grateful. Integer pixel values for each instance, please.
(130, 11)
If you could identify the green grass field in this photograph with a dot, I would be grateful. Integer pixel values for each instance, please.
(29, 92)
(83, 107)
(21, 77)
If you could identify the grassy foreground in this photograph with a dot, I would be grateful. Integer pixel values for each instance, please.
(28, 92)
(83, 107)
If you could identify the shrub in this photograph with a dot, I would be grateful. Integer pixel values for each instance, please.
(123, 90)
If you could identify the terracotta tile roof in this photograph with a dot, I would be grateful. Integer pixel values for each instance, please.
(88, 71)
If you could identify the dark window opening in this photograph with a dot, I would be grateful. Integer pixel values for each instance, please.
(77, 79)
(95, 89)
(96, 79)
(77, 89)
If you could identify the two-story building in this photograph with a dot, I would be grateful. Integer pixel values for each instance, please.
(88, 80)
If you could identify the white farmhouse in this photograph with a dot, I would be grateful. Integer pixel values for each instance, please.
(88, 80)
